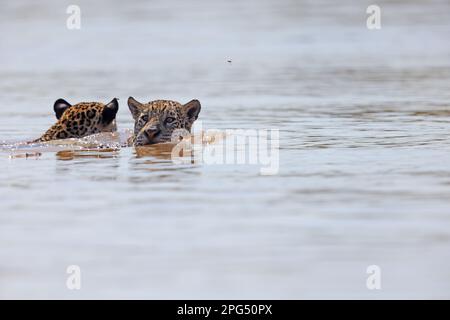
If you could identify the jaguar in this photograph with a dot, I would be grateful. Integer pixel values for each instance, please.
(81, 119)
(161, 121)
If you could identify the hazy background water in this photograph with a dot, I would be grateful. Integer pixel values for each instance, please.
(364, 153)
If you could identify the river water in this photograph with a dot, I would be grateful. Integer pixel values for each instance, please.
(364, 148)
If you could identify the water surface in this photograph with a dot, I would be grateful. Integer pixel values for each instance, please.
(364, 173)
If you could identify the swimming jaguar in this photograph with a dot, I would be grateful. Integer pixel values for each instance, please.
(81, 119)
(160, 120)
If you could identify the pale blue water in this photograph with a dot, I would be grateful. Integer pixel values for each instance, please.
(364, 151)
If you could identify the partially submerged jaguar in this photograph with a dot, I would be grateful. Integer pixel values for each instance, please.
(161, 120)
(81, 120)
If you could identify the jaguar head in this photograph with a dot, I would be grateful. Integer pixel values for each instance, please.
(161, 120)
(82, 119)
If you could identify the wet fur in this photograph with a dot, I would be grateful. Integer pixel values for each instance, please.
(80, 120)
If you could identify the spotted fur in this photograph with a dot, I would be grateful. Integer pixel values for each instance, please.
(81, 119)
(159, 121)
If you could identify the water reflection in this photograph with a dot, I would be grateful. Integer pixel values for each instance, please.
(87, 153)
(159, 151)
(15, 155)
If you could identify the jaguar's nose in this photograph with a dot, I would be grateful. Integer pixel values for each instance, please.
(151, 133)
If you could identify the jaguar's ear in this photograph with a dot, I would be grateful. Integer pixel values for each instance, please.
(192, 109)
(135, 107)
(110, 111)
(60, 106)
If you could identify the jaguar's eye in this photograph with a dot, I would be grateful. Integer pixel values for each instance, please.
(144, 118)
(170, 120)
